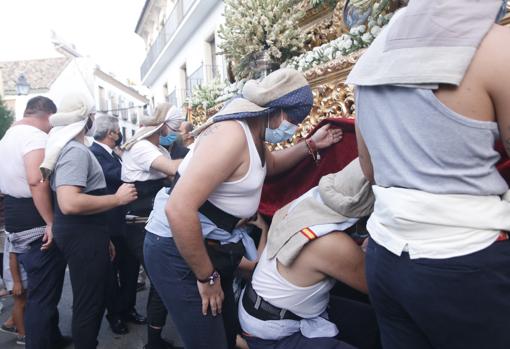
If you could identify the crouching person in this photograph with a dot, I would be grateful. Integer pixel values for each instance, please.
(286, 305)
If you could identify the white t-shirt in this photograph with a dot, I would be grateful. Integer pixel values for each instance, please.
(137, 161)
(18, 141)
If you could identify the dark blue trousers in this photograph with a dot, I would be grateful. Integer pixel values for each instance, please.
(297, 341)
(177, 285)
(454, 303)
(85, 248)
(45, 273)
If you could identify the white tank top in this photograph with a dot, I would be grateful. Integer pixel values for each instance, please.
(307, 302)
(239, 198)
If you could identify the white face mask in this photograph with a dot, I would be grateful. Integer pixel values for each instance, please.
(283, 133)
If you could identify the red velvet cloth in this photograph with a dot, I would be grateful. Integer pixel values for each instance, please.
(281, 189)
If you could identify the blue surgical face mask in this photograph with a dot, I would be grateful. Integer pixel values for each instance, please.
(502, 11)
(283, 133)
(167, 140)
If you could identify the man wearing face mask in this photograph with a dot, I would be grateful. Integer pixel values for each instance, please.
(191, 251)
(173, 142)
(148, 165)
(107, 137)
(80, 225)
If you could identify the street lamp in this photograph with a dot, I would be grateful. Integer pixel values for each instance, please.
(22, 85)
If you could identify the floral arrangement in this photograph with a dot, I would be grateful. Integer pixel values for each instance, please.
(205, 95)
(317, 3)
(260, 30)
(357, 38)
(230, 91)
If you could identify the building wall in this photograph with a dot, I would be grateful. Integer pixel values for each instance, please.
(194, 54)
(75, 78)
(114, 98)
(79, 77)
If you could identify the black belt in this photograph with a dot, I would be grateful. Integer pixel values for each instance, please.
(257, 307)
(220, 218)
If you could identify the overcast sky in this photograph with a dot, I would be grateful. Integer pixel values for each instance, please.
(101, 29)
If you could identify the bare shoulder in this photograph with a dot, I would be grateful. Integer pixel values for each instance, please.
(222, 128)
(496, 43)
(332, 244)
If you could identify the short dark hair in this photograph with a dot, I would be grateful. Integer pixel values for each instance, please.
(188, 126)
(40, 104)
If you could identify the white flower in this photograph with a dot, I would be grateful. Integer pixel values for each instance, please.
(354, 30)
(375, 30)
(367, 38)
(362, 28)
(347, 44)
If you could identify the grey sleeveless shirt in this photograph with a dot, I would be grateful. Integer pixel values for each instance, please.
(417, 142)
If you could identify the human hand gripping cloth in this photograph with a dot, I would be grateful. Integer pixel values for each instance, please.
(285, 89)
(67, 123)
(281, 189)
(427, 43)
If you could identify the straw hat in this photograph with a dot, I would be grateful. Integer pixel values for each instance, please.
(164, 113)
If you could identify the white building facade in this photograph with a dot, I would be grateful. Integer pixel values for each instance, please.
(57, 77)
(182, 44)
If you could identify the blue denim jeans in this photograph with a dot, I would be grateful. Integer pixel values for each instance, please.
(177, 286)
(45, 274)
(455, 303)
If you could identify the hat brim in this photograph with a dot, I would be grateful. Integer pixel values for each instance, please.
(146, 131)
(240, 108)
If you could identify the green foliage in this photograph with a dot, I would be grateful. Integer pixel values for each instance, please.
(265, 30)
(6, 118)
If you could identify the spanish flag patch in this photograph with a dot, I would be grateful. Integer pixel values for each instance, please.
(310, 235)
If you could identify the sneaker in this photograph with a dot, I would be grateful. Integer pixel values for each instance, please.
(7, 329)
(20, 340)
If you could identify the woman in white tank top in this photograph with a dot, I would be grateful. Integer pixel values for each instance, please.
(225, 171)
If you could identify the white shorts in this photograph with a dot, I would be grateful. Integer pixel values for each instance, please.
(9, 283)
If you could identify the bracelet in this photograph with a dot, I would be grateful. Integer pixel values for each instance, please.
(210, 279)
(312, 150)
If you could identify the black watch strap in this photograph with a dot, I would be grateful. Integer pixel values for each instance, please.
(211, 279)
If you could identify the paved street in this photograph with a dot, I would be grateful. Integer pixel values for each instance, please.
(107, 340)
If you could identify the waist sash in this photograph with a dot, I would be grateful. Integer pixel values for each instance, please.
(21, 214)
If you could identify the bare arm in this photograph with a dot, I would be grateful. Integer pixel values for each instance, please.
(339, 257)
(72, 201)
(216, 158)
(498, 76)
(283, 160)
(364, 157)
(166, 165)
(41, 194)
(40, 190)
(246, 266)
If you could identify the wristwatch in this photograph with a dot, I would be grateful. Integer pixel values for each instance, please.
(210, 279)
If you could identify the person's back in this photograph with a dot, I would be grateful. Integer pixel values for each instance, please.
(440, 219)
(449, 134)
